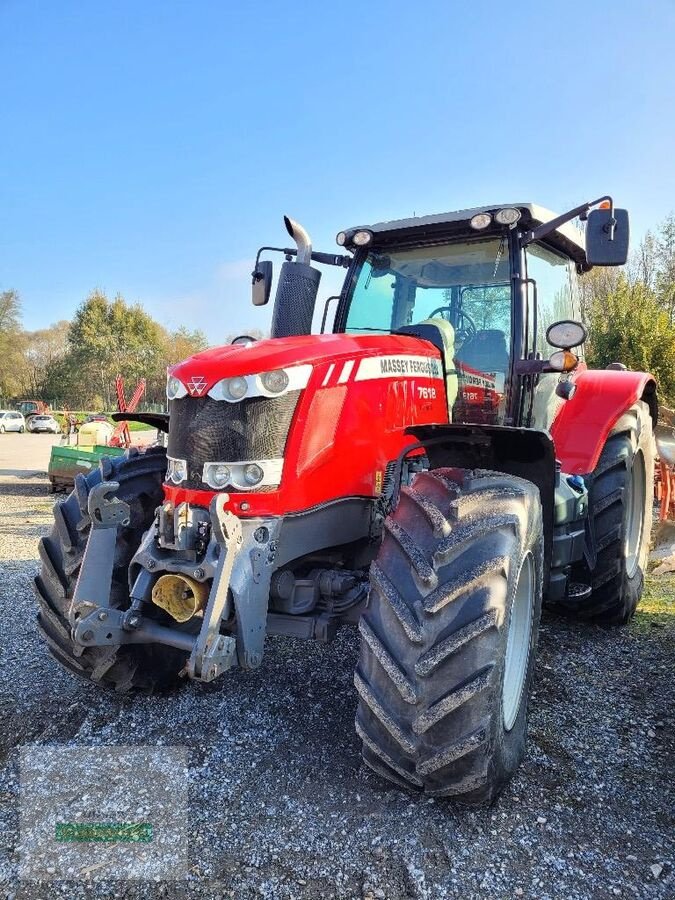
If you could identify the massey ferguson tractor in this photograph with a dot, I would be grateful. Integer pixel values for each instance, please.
(429, 471)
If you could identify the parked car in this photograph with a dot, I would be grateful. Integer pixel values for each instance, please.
(11, 421)
(43, 423)
(97, 417)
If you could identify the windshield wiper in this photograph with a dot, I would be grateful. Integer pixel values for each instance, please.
(498, 257)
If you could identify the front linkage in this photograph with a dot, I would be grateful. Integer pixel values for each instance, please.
(251, 543)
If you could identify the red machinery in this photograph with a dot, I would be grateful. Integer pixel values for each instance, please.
(665, 473)
(430, 471)
(120, 436)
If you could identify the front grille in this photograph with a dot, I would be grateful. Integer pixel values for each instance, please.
(205, 430)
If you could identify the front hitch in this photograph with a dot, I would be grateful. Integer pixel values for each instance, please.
(213, 653)
(243, 557)
(94, 581)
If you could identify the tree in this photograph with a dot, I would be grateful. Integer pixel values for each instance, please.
(643, 265)
(11, 341)
(631, 326)
(176, 346)
(255, 333)
(182, 343)
(105, 338)
(112, 337)
(594, 286)
(665, 266)
(41, 350)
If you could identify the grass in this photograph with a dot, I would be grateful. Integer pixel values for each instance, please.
(657, 607)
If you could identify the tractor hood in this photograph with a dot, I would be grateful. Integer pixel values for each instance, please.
(266, 422)
(201, 372)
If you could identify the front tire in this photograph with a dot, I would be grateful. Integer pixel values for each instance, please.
(129, 667)
(448, 639)
(620, 493)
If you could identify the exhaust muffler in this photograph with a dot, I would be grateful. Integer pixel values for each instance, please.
(180, 596)
(297, 288)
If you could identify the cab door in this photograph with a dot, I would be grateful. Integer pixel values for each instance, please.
(556, 293)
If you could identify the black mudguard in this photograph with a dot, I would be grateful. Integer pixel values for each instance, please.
(160, 421)
(524, 452)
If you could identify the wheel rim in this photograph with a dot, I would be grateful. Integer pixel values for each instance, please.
(635, 513)
(518, 643)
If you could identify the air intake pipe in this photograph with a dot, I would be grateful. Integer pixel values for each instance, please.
(297, 288)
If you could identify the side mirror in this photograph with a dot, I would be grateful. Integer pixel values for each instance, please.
(607, 237)
(262, 283)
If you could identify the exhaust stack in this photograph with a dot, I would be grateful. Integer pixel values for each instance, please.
(297, 288)
(302, 240)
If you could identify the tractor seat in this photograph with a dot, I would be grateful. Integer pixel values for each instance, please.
(447, 333)
(442, 335)
(486, 351)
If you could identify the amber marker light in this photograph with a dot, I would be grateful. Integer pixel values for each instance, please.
(563, 361)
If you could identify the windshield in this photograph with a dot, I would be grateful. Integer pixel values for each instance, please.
(464, 286)
(405, 287)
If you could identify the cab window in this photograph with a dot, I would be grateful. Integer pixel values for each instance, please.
(404, 287)
(556, 281)
(556, 291)
(465, 287)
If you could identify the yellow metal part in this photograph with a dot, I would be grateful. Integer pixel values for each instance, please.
(180, 596)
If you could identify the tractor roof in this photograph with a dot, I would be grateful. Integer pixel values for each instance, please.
(568, 238)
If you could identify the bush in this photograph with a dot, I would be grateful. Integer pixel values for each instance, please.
(630, 325)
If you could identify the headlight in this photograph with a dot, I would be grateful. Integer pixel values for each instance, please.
(176, 470)
(231, 389)
(566, 334)
(275, 382)
(243, 476)
(507, 216)
(262, 384)
(220, 475)
(217, 475)
(236, 387)
(253, 474)
(481, 221)
(362, 238)
(175, 389)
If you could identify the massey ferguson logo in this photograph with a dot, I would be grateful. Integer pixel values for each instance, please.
(196, 385)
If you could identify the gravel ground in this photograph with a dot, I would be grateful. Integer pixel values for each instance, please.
(280, 805)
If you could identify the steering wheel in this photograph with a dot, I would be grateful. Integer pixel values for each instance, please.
(244, 339)
(465, 328)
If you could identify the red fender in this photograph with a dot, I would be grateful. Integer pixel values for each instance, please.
(584, 422)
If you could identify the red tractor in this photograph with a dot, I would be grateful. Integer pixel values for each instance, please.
(429, 471)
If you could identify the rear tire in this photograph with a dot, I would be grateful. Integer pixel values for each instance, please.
(21, 430)
(145, 667)
(619, 523)
(442, 677)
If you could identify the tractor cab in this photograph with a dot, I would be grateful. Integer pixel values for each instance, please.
(484, 285)
(471, 282)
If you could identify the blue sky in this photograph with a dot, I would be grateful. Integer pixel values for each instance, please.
(149, 148)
